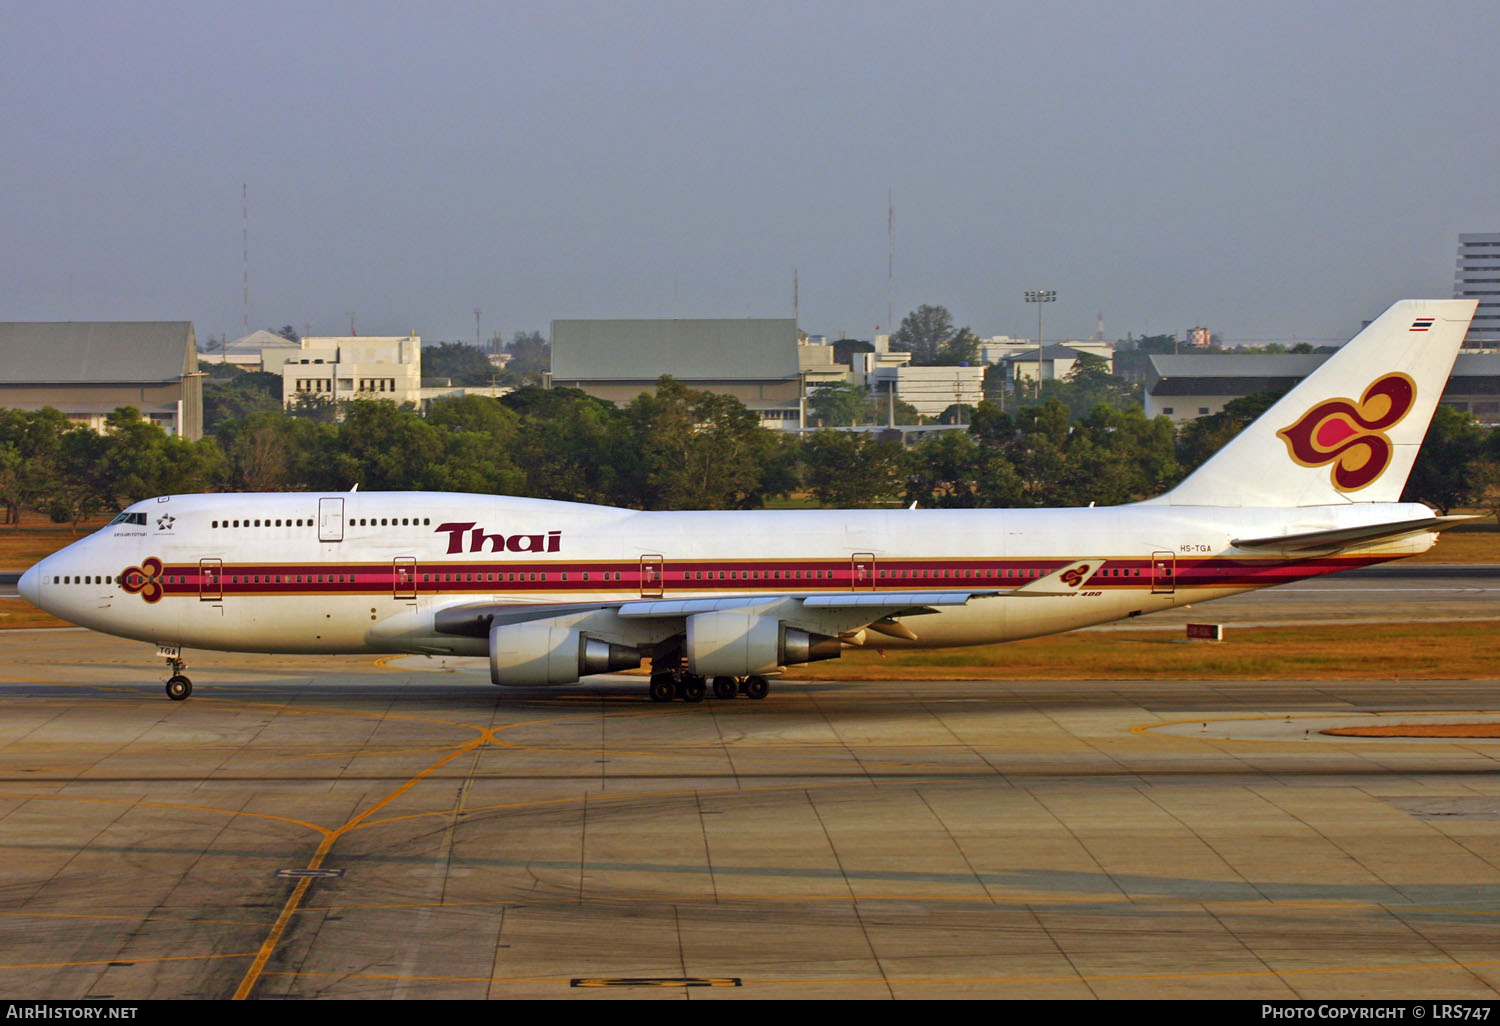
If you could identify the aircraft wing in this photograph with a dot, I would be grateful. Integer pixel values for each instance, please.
(1345, 536)
(842, 610)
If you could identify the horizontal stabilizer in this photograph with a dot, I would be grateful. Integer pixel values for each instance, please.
(1345, 536)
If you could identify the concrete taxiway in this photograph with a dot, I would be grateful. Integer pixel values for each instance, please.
(381, 828)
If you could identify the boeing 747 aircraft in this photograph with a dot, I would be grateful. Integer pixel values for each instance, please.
(555, 591)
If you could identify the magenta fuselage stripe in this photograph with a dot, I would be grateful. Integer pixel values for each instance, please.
(438, 578)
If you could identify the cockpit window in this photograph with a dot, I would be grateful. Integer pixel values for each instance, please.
(129, 518)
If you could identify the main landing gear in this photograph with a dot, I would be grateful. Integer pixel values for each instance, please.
(178, 686)
(691, 688)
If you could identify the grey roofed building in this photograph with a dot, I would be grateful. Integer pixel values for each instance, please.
(644, 350)
(753, 359)
(1057, 360)
(87, 369)
(1195, 385)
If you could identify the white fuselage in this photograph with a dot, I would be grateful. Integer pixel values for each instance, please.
(370, 571)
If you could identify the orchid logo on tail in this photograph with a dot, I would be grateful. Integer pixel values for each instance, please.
(1352, 435)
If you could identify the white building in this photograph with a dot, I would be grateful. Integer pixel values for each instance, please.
(929, 390)
(341, 368)
(1478, 277)
(1055, 363)
(1001, 348)
(245, 353)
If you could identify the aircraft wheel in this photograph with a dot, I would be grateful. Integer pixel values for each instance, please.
(693, 689)
(179, 687)
(661, 688)
(725, 687)
(757, 687)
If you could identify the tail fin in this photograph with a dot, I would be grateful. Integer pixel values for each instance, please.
(1350, 431)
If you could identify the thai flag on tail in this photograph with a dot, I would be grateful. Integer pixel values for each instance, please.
(1422, 323)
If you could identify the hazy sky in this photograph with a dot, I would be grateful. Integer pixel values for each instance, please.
(1265, 169)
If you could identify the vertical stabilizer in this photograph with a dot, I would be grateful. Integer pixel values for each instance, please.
(1350, 431)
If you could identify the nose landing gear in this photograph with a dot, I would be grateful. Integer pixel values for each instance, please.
(178, 686)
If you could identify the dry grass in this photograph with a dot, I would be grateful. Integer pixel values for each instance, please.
(35, 539)
(1419, 730)
(15, 613)
(1478, 542)
(1459, 651)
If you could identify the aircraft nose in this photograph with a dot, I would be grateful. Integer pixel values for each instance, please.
(30, 586)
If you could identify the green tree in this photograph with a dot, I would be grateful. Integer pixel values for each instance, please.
(239, 396)
(1201, 438)
(923, 333)
(961, 348)
(271, 451)
(458, 363)
(530, 357)
(698, 450)
(853, 469)
(838, 405)
(29, 469)
(479, 436)
(1441, 473)
(383, 448)
(953, 470)
(1157, 345)
(845, 348)
(574, 447)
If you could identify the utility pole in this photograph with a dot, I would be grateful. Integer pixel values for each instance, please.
(1040, 296)
(245, 249)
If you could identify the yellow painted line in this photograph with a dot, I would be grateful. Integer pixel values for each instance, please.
(294, 900)
(131, 960)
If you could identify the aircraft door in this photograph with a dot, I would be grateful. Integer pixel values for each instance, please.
(652, 573)
(1163, 573)
(404, 577)
(330, 520)
(862, 571)
(210, 580)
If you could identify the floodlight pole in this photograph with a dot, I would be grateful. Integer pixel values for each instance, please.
(1040, 296)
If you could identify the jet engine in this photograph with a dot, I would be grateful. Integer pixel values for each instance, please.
(525, 655)
(735, 643)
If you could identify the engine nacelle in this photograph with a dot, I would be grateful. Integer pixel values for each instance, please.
(734, 643)
(525, 655)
